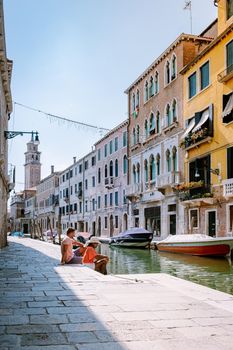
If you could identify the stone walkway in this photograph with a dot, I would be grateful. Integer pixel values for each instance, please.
(47, 306)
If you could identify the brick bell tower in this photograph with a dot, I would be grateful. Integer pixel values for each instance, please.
(32, 170)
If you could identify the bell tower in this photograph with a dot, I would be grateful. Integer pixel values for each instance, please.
(32, 172)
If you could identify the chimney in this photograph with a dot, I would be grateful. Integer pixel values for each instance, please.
(52, 169)
(74, 158)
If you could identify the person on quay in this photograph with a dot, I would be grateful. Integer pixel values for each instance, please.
(68, 255)
(90, 257)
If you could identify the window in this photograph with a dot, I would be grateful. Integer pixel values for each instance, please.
(93, 181)
(133, 102)
(193, 218)
(86, 165)
(75, 207)
(99, 202)
(75, 171)
(93, 160)
(138, 173)
(99, 154)
(174, 111)
(137, 98)
(93, 204)
(116, 199)
(124, 197)
(71, 173)
(99, 176)
(192, 80)
(205, 75)
(158, 122)
(63, 178)
(156, 83)
(116, 168)
(105, 200)
(168, 115)
(105, 222)
(116, 144)
(80, 207)
(80, 168)
(105, 171)
(229, 8)
(105, 150)
(152, 123)
(134, 174)
(125, 164)
(71, 189)
(111, 168)
(168, 159)
(146, 92)
(151, 88)
(124, 138)
(110, 147)
(173, 76)
(134, 136)
(229, 49)
(86, 184)
(137, 134)
(146, 129)
(116, 221)
(86, 207)
(146, 170)
(152, 168)
(110, 199)
(167, 73)
(174, 158)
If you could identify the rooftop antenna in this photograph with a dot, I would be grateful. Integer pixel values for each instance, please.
(188, 6)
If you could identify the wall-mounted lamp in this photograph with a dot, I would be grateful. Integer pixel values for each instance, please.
(213, 171)
(11, 134)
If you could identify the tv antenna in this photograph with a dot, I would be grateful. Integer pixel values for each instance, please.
(188, 6)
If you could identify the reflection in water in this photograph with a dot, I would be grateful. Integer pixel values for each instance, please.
(210, 272)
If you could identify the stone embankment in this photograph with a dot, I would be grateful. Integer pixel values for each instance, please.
(44, 305)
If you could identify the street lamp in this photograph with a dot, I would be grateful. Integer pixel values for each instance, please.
(11, 134)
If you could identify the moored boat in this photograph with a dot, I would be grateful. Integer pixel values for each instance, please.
(196, 244)
(136, 237)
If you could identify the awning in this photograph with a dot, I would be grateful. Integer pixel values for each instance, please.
(189, 128)
(204, 118)
(229, 107)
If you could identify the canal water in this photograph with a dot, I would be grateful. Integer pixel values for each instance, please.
(211, 272)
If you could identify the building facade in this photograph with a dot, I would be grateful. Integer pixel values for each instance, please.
(155, 104)
(5, 111)
(208, 138)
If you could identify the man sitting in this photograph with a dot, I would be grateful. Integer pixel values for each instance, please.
(92, 259)
(68, 255)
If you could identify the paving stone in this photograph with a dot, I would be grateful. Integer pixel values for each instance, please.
(67, 310)
(4, 312)
(13, 320)
(9, 341)
(43, 339)
(82, 327)
(39, 328)
(49, 347)
(81, 337)
(47, 303)
(48, 319)
(2, 329)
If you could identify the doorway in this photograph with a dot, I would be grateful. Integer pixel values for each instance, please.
(211, 230)
(111, 226)
(172, 224)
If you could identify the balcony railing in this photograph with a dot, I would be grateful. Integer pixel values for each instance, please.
(196, 138)
(168, 179)
(228, 188)
(226, 74)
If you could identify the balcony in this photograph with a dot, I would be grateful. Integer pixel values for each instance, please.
(134, 191)
(109, 182)
(168, 179)
(196, 196)
(226, 74)
(227, 188)
(196, 139)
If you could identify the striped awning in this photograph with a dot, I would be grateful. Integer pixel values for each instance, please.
(229, 107)
(204, 117)
(189, 128)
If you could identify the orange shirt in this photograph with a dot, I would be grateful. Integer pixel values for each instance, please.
(89, 255)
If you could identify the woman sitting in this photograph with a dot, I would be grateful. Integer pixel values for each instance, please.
(90, 257)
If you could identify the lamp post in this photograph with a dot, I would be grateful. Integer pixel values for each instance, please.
(11, 134)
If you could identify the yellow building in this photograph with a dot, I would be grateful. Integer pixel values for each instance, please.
(208, 138)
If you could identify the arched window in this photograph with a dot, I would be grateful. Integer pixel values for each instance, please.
(152, 168)
(134, 174)
(134, 136)
(137, 134)
(138, 173)
(137, 98)
(174, 111)
(146, 129)
(158, 164)
(146, 170)
(167, 73)
(133, 102)
(111, 168)
(106, 171)
(168, 115)
(125, 164)
(151, 88)
(99, 175)
(174, 158)
(158, 122)
(116, 168)
(146, 93)
(168, 160)
(152, 123)
(156, 83)
(173, 75)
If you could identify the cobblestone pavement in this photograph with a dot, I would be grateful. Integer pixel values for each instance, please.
(47, 306)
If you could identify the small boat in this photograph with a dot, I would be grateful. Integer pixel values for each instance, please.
(136, 237)
(196, 244)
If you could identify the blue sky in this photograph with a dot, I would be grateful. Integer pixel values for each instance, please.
(75, 58)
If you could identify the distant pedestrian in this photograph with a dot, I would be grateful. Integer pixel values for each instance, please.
(68, 255)
(90, 257)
